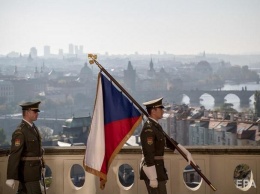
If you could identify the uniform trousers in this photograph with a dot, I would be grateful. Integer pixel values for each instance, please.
(29, 188)
(161, 189)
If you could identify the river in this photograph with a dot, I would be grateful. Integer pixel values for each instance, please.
(208, 101)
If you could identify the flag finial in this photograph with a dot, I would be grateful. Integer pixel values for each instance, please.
(92, 58)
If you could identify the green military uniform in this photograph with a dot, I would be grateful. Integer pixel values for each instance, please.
(26, 143)
(153, 144)
(25, 161)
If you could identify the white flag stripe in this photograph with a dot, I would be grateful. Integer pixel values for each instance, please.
(95, 150)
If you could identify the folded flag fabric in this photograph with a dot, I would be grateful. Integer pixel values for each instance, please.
(113, 122)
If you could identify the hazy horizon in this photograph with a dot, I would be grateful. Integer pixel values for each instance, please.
(125, 27)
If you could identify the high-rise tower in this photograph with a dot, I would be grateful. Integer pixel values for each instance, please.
(129, 77)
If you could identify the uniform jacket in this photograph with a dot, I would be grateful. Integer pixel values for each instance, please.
(26, 142)
(153, 144)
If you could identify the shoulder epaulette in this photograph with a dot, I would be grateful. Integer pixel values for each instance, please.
(148, 127)
(149, 124)
(19, 128)
(18, 132)
(21, 125)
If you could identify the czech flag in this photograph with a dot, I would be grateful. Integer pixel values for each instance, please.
(114, 121)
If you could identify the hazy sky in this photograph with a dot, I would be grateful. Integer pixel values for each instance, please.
(128, 26)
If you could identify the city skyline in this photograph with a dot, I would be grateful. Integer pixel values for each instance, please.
(127, 27)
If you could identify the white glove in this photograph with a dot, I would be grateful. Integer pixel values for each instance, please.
(154, 183)
(152, 175)
(10, 183)
(42, 182)
(187, 153)
(43, 171)
(42, 187)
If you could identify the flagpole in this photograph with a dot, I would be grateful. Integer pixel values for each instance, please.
(93, 59)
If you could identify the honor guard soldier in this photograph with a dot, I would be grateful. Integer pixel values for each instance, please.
(153, 142)
(25, 162)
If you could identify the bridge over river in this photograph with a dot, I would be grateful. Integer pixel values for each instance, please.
(195, 95)
(219, 96)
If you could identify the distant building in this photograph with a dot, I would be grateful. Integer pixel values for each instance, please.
(203, 67)
(165, 122)
(27, 89)
(6, 91)
(86, 74)
(47, 51)
(175, 84)
(200, 134)
(175, 128)
(80, 50)
(224, 132)
(36, 73)
(77, 129)
(60, 54)
(248, 134)
(76, 50)
(33, 52)
(130, 77)
(15, 71)
(151, 72)
(71, 49)
(53, 75)
(29, 58)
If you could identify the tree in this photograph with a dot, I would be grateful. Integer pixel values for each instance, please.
(226, 108)
(46, 133)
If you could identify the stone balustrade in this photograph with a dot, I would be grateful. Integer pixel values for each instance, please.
(217, 163)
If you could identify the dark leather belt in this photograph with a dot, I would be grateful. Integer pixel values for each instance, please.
(158, 157)
(31, 158)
